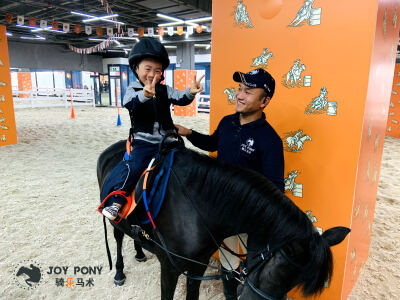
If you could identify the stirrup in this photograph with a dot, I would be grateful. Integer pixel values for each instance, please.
(124, 212)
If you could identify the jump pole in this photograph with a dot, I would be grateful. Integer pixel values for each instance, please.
(72, 105)
(119, 123)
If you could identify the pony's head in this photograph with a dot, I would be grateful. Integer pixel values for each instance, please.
(306, 264)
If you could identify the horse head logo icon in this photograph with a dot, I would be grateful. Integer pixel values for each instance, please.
(28, 277)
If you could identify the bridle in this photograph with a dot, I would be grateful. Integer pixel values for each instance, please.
(258, 261)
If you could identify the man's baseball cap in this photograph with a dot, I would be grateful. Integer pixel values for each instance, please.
(258, 78)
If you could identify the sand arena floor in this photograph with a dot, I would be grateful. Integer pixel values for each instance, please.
(49, 195)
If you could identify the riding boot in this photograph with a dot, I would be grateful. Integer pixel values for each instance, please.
(230, 288)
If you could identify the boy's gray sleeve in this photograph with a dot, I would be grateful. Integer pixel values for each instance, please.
(181, 98)
(133, 98)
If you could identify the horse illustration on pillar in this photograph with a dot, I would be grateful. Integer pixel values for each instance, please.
(262, 60)
(293, 77)
(307, 14)
(313, 219)
(230, 92)
(320, 104)
(295, 142)
(241, 15)
(290, 185)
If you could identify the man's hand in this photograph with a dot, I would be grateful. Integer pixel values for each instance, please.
(183, 131)
(149, 90)
(196, 87)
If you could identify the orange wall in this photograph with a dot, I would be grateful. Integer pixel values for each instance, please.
(393, 123)
(8, 132)
(182, 80)
(339, 50)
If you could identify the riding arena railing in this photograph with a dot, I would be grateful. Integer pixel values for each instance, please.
(52, 97)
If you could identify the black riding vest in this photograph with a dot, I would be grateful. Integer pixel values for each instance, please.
(156, 109)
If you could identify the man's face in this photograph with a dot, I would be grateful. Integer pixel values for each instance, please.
(249, 100)
(147, 69)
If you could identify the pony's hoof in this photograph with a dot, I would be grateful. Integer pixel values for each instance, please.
(119, 282)
(140, 257)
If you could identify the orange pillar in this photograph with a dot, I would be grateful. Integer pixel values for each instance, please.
(393, 123)
(24, 83)
(182, 80)
(333, 63)
(8, 132)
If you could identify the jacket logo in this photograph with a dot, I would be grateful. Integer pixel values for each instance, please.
(248, 146)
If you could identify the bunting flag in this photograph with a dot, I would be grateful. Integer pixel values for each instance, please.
(140, 31)
(43, 24)
(66, 27)
(54, 25)
(20, 20)
(77, 28)
(99, 31)
(170, 31)
(161, 31)
(131, 32)
(88, 30)
(150, 31)
(32, 22)
(110, 31)
(179, 30)
(189, 29)
(9, 18)
(199, 29)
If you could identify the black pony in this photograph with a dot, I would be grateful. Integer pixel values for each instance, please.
(207, 201)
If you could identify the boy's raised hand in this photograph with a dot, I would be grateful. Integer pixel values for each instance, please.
(196, 86)
(149, 90)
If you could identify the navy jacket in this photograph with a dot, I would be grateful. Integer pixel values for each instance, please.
(254, 145)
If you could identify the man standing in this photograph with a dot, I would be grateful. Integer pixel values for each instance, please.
(245, 139)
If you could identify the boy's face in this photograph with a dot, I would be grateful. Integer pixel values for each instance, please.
(147, 69)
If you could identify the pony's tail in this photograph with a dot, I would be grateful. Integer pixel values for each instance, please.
(321, 266)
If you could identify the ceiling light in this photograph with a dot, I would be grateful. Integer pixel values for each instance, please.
(169, 18)
(170, 47)
(201, 19)
(47, 29)
(8, 34)
(80, 14)
(97, 40)
(111, 50)
(37, 37)
(26, 26)
(208, 47)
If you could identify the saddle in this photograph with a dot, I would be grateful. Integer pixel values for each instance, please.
(154, 181)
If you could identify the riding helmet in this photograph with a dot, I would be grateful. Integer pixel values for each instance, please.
(148, 48)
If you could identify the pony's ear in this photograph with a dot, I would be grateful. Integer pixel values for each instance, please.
(335, 235)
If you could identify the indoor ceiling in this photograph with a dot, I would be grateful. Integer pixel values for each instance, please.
(132, 13)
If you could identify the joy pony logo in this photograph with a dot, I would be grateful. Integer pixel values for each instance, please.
(28, 274)
(248, 146)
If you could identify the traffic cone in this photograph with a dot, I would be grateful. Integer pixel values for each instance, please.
(72, 113)
(119, 123)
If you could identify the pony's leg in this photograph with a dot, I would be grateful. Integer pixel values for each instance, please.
(169, 278)
(119, 277)
(193, 286)
(140, 256)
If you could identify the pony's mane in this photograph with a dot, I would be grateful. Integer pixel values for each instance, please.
(263, 208)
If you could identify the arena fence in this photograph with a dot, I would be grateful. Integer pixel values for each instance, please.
(52, 97)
